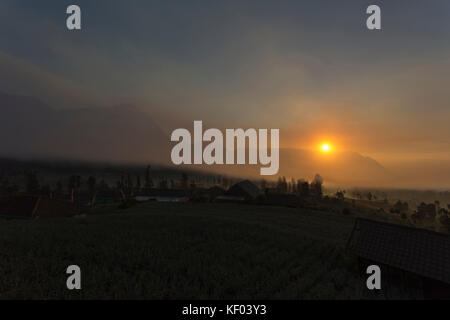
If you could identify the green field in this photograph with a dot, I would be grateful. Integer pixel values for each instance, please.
(181, 251)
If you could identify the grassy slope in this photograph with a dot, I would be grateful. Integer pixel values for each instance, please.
(169, 250)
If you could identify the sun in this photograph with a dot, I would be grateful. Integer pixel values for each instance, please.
(325, 147)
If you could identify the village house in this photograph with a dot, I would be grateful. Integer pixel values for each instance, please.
(34, 207)
(242, 191)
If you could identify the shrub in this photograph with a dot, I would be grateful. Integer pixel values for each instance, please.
(346, 211)
(128, 203)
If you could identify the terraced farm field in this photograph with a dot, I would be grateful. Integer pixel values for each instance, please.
(181, 251)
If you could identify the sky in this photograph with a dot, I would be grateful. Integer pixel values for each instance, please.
(310, 68)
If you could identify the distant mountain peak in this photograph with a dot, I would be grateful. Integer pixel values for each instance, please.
(119, 133)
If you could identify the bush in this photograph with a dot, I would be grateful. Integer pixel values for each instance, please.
(261, 199)
(128, 203)
(346, 211)
(201, 199)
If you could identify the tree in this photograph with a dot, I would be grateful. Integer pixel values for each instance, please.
(148, 178)
(293, 186)
(120, 187)
(316, 185)
(340, 194)
(31, 182)
(282, 184)
(74, 186)
(357, 194)
(303, 188)
(225, 182)
(46, 190)
(103, 186)
(437, 204)
(138, 182)
(5, 186)
(263, 185)
(59, 189)
(92, 184)
(445, 221)
(163, 184)
(129, 184)
(74, 182)
(184, 181)
(400, 207)
(2, 181)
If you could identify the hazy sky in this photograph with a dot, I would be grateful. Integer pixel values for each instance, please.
(310, 68)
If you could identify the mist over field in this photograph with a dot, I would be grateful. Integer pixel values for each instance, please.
(128, 134)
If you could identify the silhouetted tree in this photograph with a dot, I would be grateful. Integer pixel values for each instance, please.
(400, 207)
(31, 182)
(163, 184)
(6, 187)
(138, 182)
(74, 186)
(184, 181)
(148, 178)
(59, 189)
(316, 185)
(129, 184)
(92, 187)
(357, 194)
(282, 184)
(225, 182)
(437, 204)
(103, 186)
(91, 183)
(46, 190)
(303, 188)
(293, 186)
(340, 194)
(263, 185)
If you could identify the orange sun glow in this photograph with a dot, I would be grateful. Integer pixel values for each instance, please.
(325, 147)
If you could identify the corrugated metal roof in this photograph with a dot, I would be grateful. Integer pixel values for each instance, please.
(419, 251)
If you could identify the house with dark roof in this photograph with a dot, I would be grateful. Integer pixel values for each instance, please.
(33, 207)
(414, 261)
(215, 192)
(245, 190)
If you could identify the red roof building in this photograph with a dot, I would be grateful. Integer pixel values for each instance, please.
(33, 207)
